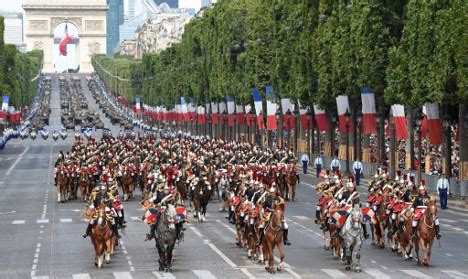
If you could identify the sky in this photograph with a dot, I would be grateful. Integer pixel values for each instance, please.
(11, 5)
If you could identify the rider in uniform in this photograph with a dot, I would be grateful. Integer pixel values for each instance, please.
(101, 197)
(160, 198)
(422, 199)
(269, 206)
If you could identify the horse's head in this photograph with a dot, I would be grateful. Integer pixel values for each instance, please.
(101, 220)
(277, 216)
(356, 217)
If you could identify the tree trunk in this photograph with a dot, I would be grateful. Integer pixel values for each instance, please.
(463, 142)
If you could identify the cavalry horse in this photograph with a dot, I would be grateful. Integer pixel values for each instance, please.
(290, 182)
(351, 233)
(62, 186)
(378, 229)
(201, 196)
(273, 238)
(426, 233)
(127, 185)
(85, 186)
(102, 237)
(166, 237)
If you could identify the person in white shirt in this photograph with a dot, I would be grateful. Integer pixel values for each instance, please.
(443, 188)
(357, 167)
(318, 163)
(335, 165)
(305, 162)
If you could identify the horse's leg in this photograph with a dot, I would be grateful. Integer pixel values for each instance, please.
(429, 251)
(271, 257)
(281, 254)
(416, 250)
(100, 254)
(358, 254)
(423, 244)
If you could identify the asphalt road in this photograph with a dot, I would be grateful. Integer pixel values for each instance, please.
(41, 238)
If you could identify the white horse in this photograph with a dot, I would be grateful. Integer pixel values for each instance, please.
(352, 235)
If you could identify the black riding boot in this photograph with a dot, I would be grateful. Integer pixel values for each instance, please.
(364, 229)
(88, 230)
(317, 216)
(123, 217)
(285, 237)
(415, 232)
(437, 229)
(231, 217)
(115, 231)
(151, 235)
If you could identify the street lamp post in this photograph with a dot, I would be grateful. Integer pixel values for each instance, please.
(308, 132)
(296, 113)
(333, 123)
(347, 117)
(359, 136)
(418, 124)
(392, 147)
(448, 145)
(288, 127)
(225, 130)
(278, 128)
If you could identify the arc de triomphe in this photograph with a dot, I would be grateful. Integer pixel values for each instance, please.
(88, 16)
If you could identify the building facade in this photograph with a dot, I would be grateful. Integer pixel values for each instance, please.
(115, 17)
(14, 31)
(172, 3)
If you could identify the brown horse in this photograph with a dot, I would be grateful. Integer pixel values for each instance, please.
(291, 182)
(378, 228)
(62, 186)
(405, 234)
(85, 186)
(127, 186)
(426, 234)
(102, 237)
(273, 237)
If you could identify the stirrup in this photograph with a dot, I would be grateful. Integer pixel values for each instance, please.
(85, 235)
(438, 236)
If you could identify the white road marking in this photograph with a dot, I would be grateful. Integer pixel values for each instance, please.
(455, 274)
(227, 227)
(122, 275)
(81, 276)
(135, 218)
(36, 255)
(40, 221)
(376, 273)
(39, 277)
(18, 222)
(38, 245)
(457, 229)
(35, 261)
(334, 273)
(195, 231)
(16, 162)
(304, 218)
(448, 220)
(415, 273)
(447, 225)
(204, 274)
(450, 255)
(9, 212)
(163, 275)
(383, 267)
(65, 220)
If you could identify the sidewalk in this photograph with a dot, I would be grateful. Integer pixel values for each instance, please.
(454, 205)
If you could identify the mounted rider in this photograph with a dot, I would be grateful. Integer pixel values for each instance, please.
(102, 197)
(419, 207)
(270, 201)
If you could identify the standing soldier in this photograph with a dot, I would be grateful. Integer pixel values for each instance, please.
(305, 162)
(443, 187)
(335, 165)
(318, 165)
(357, 167)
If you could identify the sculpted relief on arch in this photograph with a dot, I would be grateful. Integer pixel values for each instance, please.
(55, 21)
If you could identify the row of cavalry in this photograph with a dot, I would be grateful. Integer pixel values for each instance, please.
(402, 217)
(196, 171)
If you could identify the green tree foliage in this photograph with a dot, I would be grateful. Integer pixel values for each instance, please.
(408, 51)
(18, 72)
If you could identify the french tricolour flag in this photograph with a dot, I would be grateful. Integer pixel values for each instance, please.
(184, 110)
(65, 40)
(431, 123)
(138, 105)
(342, 103)
(248, 117)
(321, 119)
(272, 107)
(401, 130)
(288, 119)
(214, 113)
(201, 115)
(240, 114)
(231, 110)
(368, 111)
(306, 120)
(258, 108)
(221, 110)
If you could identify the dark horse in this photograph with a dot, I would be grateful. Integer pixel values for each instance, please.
(166, 237)
(201, 197)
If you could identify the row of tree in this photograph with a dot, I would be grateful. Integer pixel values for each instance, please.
(18, 72)
(409, 51)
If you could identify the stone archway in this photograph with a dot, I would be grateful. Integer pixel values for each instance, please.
(89, 17)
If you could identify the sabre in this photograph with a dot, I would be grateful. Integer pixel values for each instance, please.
(438, 241)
